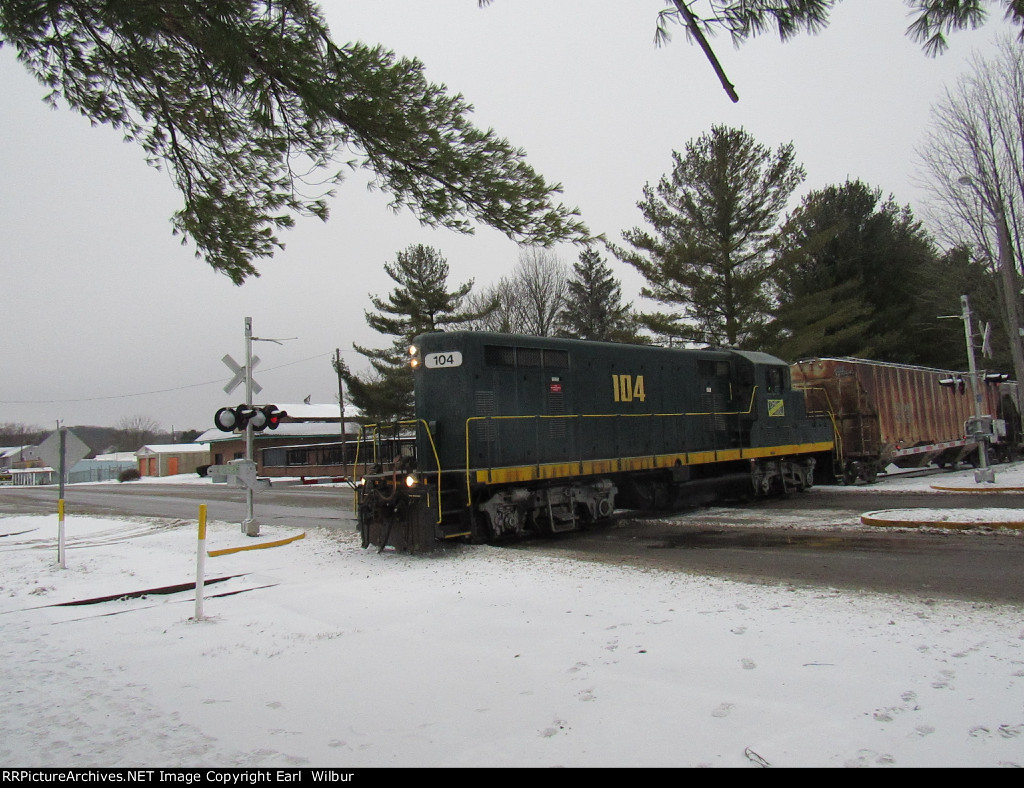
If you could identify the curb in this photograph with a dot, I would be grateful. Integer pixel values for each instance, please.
(880, 518)
(259, 546)
(977, 489)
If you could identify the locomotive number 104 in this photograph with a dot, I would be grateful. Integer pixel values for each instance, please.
(626, 388)
(452, 358)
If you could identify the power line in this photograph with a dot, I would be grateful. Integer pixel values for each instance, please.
(156, 391)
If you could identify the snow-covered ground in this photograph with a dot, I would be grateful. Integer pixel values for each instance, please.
(318, 653)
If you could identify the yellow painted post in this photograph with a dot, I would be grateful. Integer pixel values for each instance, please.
(60, 534)
(201, 562)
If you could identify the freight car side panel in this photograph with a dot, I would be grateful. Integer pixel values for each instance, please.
(881, 409)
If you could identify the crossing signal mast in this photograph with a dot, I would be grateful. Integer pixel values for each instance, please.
(983, 473)
(248, 418)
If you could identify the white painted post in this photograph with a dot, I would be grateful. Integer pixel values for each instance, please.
(201, 562)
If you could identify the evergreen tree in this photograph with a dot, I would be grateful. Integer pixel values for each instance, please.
(825, 322)
(593, 305)
(711, 249)
(850, 278)
(236, 98)
(931, 21)
(420, 304)
(746, 19)
(944, 279)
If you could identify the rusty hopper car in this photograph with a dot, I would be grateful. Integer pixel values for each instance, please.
(905, 415)
(517, 434)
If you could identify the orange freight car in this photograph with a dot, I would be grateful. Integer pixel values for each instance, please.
(910, 416)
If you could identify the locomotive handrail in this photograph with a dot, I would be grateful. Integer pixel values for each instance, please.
(469, 468)
(433, 449)
(830, 412)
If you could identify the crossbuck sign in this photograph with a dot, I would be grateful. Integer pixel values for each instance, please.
(239, 377)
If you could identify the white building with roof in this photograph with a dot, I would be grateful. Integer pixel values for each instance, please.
(171, 459)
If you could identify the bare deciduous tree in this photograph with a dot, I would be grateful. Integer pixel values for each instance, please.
(500, 298)
(973, 156)
(529, 301)
(541, 282)
(16, 434)
(136, 431)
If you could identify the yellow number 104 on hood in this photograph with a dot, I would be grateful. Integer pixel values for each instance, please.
(626, 388)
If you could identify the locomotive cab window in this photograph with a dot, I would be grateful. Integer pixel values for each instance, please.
(776, 379)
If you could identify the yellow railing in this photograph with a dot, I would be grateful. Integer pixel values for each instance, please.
(830, 412)
(376, 430)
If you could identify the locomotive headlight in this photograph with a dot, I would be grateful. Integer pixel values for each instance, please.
(413, 350)
(411, 480)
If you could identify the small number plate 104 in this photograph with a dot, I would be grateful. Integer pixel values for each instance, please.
(453, 358)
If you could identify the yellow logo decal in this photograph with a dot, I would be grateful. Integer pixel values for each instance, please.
(776, 407)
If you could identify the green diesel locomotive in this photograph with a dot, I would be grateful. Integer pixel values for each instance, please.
(517, 434)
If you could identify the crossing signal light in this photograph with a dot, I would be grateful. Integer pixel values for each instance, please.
(273, 416)
(258, 420)
(238, 418)
(233, 419)
(957, 383)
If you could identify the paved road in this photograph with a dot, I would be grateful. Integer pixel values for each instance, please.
(301, 506)
(828, 548)
(751, 543)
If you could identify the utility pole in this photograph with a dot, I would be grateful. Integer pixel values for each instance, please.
(983, 473)
(341, 405)
(1008, 272)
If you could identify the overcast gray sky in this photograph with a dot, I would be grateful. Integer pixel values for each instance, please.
(106, 315)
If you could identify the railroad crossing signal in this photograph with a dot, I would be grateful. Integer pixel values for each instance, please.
(238, 418)
(239, 377)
